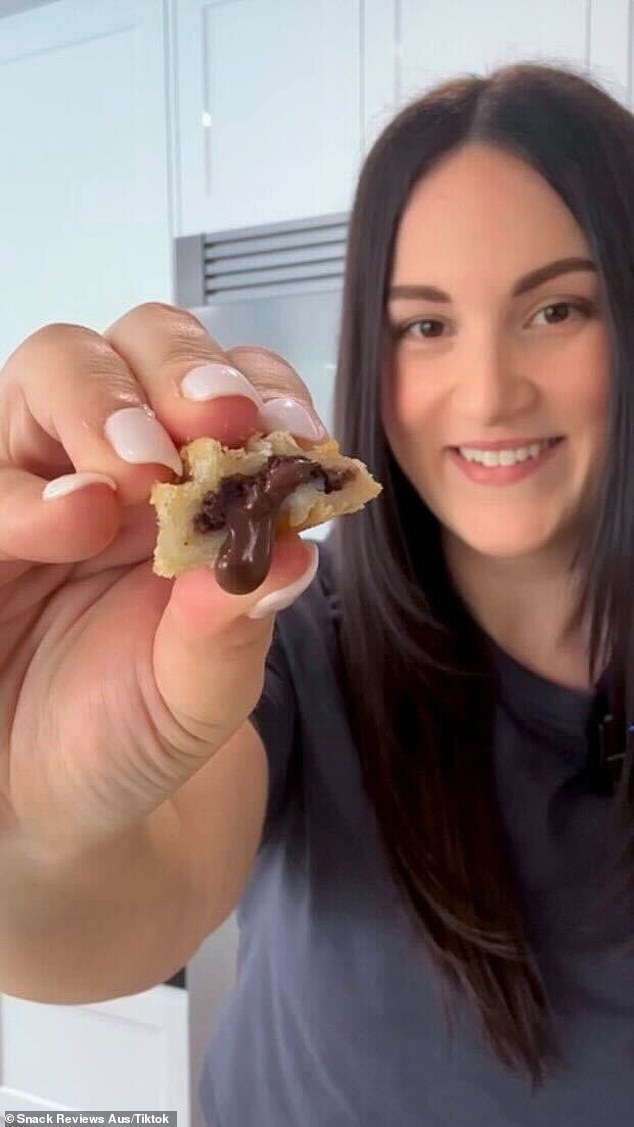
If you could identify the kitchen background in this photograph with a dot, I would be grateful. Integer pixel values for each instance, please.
(205, 153)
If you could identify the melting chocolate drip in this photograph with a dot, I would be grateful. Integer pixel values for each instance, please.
(247, 505)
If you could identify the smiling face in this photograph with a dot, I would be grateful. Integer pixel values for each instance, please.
(488, 367)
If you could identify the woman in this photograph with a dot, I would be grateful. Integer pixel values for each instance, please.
(422, 828)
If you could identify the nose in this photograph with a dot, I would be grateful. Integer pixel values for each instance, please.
(491, 384)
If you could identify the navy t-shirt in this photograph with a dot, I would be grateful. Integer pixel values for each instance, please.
(336, 1019)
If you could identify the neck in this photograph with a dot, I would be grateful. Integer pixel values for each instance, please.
(525, 606)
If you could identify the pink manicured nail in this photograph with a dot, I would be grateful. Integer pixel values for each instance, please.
(216, 381)
(279, 600)
(71, 482)
(136, 435)
(289, 414)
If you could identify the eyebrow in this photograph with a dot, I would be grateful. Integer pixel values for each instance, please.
(522, 286)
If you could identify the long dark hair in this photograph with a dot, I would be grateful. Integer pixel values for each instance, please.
(417, 671)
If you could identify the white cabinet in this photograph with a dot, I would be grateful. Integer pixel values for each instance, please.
(85, 224)
(129, 1053)
(410, 46)
(440, 39)
(609, 46)
(277, 101)
(85, 233)
(381, 66)
(269, 110)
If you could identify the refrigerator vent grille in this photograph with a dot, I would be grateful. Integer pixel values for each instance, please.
(251, 262)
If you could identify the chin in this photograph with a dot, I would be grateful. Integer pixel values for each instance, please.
(506, 549)
(503, 542)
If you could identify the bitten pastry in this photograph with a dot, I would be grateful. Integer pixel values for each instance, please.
(230, 503)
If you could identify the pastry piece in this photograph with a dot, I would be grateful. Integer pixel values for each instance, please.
(231, 502)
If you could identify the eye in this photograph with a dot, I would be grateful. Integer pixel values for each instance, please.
(558, 306)
(428, 328)
(408, 330)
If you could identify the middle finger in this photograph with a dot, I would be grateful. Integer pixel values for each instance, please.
(161, 345)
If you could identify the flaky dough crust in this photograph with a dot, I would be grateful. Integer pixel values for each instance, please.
(206, 461)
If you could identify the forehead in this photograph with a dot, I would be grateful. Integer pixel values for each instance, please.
(481, 206)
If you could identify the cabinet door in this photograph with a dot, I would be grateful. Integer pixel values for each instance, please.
(84, 201)
(410, 46)
(610, 46)
(129, 1053)
(381, 48)
(438, 40)
(269, 115)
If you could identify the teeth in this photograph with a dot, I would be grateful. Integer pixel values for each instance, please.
(504, 457)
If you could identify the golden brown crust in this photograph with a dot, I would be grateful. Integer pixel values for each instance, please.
(206, 461)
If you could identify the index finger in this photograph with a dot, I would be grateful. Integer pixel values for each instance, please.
(163, 344)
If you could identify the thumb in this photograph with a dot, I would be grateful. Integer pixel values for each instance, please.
(210, 649)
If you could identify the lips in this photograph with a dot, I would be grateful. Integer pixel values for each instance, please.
(503, 475)
(506, 443)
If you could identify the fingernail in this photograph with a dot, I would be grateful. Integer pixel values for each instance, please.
(216, 381)
(289, 414)
(136, 435)
(279, 600)
(71, 482)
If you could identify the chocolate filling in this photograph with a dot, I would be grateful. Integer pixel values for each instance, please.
(247, 505)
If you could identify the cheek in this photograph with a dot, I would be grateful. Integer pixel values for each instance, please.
(407, 405)
(598, 390)
(585, 400)
(408, 420)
